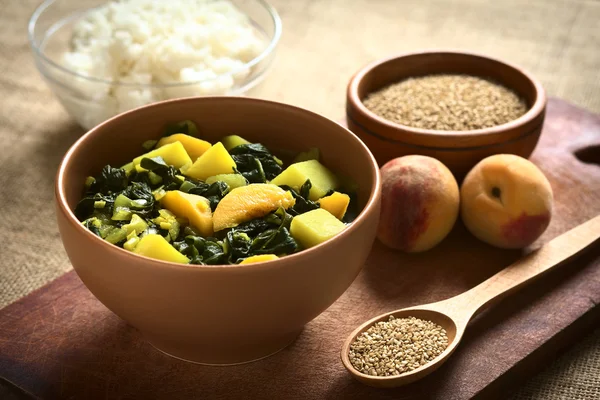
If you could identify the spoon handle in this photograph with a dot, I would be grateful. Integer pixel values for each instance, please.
(525, 270)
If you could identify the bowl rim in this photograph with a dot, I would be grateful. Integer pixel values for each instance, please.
(62, 205)
(355, 103)
(35, 47)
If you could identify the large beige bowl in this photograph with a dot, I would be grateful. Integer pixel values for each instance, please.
(219, 314)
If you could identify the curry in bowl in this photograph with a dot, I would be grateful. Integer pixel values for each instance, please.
(186, 200)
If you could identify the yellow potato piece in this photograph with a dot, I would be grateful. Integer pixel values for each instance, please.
(315, 227)
(336, 203)
(193, 146)
(322, 179)
(156, 246)
(232, 141)
(214, 161)
(259, 258)
(191, 206)
(248, 202)
(173, 154)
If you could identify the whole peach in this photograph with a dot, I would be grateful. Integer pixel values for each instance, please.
(506, 201)
(419, 203)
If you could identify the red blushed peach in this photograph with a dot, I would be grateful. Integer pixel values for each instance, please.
(419, 203)
(506, 201)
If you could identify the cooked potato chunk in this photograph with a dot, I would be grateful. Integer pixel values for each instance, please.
(156, 246)
(248, 202)
(193, 146)
(336, 203)
(173, 154)
(315, 227)
(322, 179)
(191, 206)
(214, 161)
(260, 258)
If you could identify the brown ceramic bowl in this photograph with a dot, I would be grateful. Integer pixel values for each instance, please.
(231, 313)
(459, 150)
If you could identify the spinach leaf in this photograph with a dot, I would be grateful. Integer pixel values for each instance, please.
(110, 180)
(268, 235)
(202, 250)
(93, 224)
(352, 210)
(238, 244)
(213, 192)
(303, 204)
(255, 162)
(142, 201)
(255, 226)
(274, 241)
(250, 168)
(88, 205)
(187, 127)
(168, 174)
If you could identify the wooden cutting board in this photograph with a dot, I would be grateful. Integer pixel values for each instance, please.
(60, 342)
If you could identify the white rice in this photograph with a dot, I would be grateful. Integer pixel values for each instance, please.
(159, 42)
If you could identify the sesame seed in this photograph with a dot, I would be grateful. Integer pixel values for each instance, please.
(397, 346)
(447, 102)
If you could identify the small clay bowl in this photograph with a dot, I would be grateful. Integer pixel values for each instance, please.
(219, 314)
(458, 150)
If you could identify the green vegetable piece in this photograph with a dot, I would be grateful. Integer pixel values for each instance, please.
(321, 178)
(131, 243)
(99, 204)
(168, 221)
(121, 215)
(311, 154)
(154, 178)
(232, 180)
(122, 201)
(255, 162)
(89, 181)
(315, 227)
(123, 206)
(115, 235)
(94, 225)
(149, 144)
(303, 204)
(186, 186)
(186, 127)
(111, 180)
(159, 193)
(128, 168)
(156, 246)
(233, 141)
(136, 224)
(170, 178)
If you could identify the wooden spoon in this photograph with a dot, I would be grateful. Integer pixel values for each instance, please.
(454, 314)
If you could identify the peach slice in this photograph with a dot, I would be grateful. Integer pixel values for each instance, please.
(259, 258)
(336, 203)
(249, 202)
(191, 206)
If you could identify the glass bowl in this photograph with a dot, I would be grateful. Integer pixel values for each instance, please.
(91, 100)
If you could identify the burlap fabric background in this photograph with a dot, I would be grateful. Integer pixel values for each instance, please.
(324, 43)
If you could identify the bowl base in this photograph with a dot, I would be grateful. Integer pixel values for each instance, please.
(234, 354)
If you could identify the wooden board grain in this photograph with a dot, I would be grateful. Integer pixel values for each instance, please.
(60, 342)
